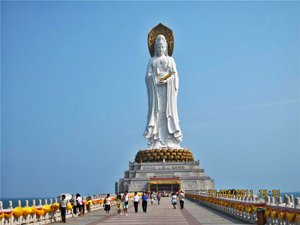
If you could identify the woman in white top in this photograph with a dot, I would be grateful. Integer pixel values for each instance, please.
(136, 200)
(125, 203)
(80, 204)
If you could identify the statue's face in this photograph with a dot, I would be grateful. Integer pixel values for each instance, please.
(161, 49)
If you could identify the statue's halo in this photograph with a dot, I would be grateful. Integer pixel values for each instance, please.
(164, 30)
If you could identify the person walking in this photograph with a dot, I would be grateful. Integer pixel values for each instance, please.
(144, 202)
(158, 198)
(63, 208)
(136, 200)
(74, 204)
(181, 198)
(79, 204)
(125, 204)
(174, 200)
(119, 204)
(107, 201)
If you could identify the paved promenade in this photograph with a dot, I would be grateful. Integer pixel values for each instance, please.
(163, 214)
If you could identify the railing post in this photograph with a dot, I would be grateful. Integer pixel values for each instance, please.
(33, 215)
(10, 206)
(26, 218)
(297, 203)
(261, 216)
(287, 201)
(273, 201)
(293, 201)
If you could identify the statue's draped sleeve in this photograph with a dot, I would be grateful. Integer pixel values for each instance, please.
(172, 92)
(152, 101)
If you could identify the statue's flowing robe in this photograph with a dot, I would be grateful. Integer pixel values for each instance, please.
(162, 128)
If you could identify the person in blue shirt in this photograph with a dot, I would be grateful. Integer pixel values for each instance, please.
(144, 202)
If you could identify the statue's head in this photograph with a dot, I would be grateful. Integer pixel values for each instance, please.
(161, 45)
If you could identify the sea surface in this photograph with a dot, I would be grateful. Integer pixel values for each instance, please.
(15, 200)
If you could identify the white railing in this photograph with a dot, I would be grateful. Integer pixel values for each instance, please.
(271, 211)
(42, 213)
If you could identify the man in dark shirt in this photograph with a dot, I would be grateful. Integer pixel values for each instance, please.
(144, 202)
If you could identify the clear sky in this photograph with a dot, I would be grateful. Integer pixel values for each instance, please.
(74, 100)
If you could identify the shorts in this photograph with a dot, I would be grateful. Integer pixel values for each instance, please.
(125, 205)
(107, 207)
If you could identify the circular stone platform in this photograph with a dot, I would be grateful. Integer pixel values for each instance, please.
(167, 154)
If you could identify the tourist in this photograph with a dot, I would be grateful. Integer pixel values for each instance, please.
(63, 208)
(158, 198)
(74, 205)
(80, 204)
(144, 202)
(151, 198)
(174, 200)
(107, 201)
(125, 203)
(136, 200)
(181, 199)
(119, 204)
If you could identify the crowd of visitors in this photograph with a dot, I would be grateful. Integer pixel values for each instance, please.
(121, 203)
(77, 206)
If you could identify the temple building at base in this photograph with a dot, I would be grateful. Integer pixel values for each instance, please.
(168, 172)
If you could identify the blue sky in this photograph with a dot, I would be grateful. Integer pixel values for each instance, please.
(74, 100)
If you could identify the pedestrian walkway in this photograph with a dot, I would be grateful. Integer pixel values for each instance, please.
(163, 214)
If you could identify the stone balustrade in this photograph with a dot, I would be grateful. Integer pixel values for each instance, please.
(250, 209)
(42, 213)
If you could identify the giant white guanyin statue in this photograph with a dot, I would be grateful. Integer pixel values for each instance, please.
(162, 129)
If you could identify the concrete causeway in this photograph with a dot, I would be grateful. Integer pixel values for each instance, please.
(163, 214)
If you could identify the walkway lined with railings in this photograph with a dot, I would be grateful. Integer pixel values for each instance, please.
(163, 214)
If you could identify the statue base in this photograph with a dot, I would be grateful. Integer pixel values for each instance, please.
(165, 154)
(166, 171)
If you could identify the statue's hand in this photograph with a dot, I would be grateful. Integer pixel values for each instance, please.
(162, 82)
